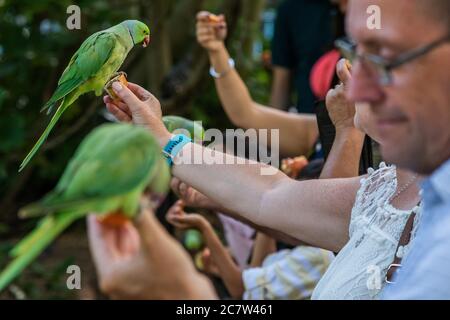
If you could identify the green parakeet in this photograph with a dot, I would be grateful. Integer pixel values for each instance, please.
(98, 58)
(179, 124)
(108, 174)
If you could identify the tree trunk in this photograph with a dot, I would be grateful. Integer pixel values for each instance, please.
(249, 27)
(157, 60)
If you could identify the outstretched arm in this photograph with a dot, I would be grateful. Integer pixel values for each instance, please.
(195, 199)
(298, 133)
(306, 210)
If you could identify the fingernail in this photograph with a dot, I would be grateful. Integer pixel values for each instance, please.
(117, 86)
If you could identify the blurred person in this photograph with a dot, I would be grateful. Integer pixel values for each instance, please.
(298, 132)
(408, 96)
(323, 78)
(294, 53)
(266, 278)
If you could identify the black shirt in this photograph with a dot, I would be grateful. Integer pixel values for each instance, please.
(303, 33)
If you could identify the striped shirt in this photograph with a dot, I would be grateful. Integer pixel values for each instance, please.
(287, 274)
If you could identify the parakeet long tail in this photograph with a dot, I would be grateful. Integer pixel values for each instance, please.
(29, 252)
(45, 224)
(65, 103)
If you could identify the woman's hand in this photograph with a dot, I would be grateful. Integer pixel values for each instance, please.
(211, 30)
(138, 106)
(182, 220)
(190, 196)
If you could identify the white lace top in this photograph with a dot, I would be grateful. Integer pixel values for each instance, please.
(359, 270)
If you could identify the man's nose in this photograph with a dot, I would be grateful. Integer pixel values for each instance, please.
(363, 86)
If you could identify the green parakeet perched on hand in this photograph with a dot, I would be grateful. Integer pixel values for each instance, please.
(111, 169)
(95, 62)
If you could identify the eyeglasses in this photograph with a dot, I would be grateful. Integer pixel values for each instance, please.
(382, 67)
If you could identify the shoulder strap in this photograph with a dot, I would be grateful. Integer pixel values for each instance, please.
(404, 240)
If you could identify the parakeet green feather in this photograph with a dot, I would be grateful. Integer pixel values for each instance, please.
(176, 123)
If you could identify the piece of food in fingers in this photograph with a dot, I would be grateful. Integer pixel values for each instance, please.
(120, 77)
(293, 167)
(198, 259)
(213, 18)
(348, 64)
(114, 220)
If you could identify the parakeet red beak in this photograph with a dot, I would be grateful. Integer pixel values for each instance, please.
(146, 41)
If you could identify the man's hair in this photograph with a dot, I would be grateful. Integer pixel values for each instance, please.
(439, 9)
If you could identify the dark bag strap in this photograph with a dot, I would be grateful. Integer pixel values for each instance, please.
(404, 240)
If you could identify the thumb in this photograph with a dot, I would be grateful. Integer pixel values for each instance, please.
(126, 95)
(99, 239)
(343, 71)
(203, 15)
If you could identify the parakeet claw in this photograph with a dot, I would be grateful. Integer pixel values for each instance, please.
(118, 74)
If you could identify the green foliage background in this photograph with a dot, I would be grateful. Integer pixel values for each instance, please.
(35, 46)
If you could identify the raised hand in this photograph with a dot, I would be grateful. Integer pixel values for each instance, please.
(340, 109)
(138, 106)
(211, 30)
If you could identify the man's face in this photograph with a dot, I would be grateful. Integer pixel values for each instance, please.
(411, 117)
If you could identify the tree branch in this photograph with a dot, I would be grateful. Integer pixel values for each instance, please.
(69, 132)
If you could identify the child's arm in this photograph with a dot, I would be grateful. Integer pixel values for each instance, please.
(228, 269)
(264, 245)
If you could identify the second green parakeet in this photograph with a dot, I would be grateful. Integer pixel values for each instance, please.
(108, 174)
